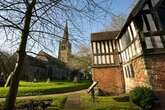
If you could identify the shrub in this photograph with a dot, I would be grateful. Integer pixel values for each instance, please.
(143, 97)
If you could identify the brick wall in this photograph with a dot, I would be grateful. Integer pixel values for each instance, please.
(110, 79)
(140, 75)
(156, 69)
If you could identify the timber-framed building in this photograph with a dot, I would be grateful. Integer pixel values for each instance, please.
(135, 55)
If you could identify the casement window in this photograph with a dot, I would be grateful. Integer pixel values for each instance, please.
(148, 42)
(124, 56)
(127, 54)
(133, 30)
(153, 42)
(95, 60)
(112, 59)
(130, 33)
(118, 47)
(130, 52)
(99, 59)
(138, 46)
(110, 46)
(102, 53)
(107, 59)
(120, 58)
(144, 25)
(106, 47)
(125, 40)
(128, 71)
(98, 47)
(114, 45)
(158, 42)
(94, 47)
(151, 22)
(103, 59)
(148, 23)
(121, 46)
(102, 47)
(133, 49)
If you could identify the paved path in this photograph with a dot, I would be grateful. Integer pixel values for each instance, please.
(42, 96)
(73, 102)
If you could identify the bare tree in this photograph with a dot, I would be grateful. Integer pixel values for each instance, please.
(116, 23)
(25, 22)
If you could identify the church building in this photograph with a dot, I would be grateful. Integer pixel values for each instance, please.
(65, 46)
(135, 55)
(44, 66)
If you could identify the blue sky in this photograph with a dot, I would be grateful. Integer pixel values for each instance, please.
(118, 7)
(87, 27)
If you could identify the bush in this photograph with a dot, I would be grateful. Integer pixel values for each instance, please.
(143, 97)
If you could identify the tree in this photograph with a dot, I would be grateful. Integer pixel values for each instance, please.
(81, 59)
(24, 21)
(116, 23)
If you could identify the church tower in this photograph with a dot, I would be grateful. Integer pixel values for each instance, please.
(65, 46)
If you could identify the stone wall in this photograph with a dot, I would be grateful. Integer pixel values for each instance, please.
(110, 79)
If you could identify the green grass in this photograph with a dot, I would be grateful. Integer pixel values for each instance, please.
(103, 103)
(57, 102)
(41, 88)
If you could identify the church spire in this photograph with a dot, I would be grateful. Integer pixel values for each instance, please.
(66, 31)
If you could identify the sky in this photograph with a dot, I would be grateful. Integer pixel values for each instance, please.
(86, 27)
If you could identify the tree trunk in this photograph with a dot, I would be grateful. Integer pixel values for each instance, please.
(11, 98)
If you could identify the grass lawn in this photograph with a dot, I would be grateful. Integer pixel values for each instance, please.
(103, 103)
(57, 102)
(40, 88)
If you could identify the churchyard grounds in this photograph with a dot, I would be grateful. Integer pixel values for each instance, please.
(57, 93)
(43, 88)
